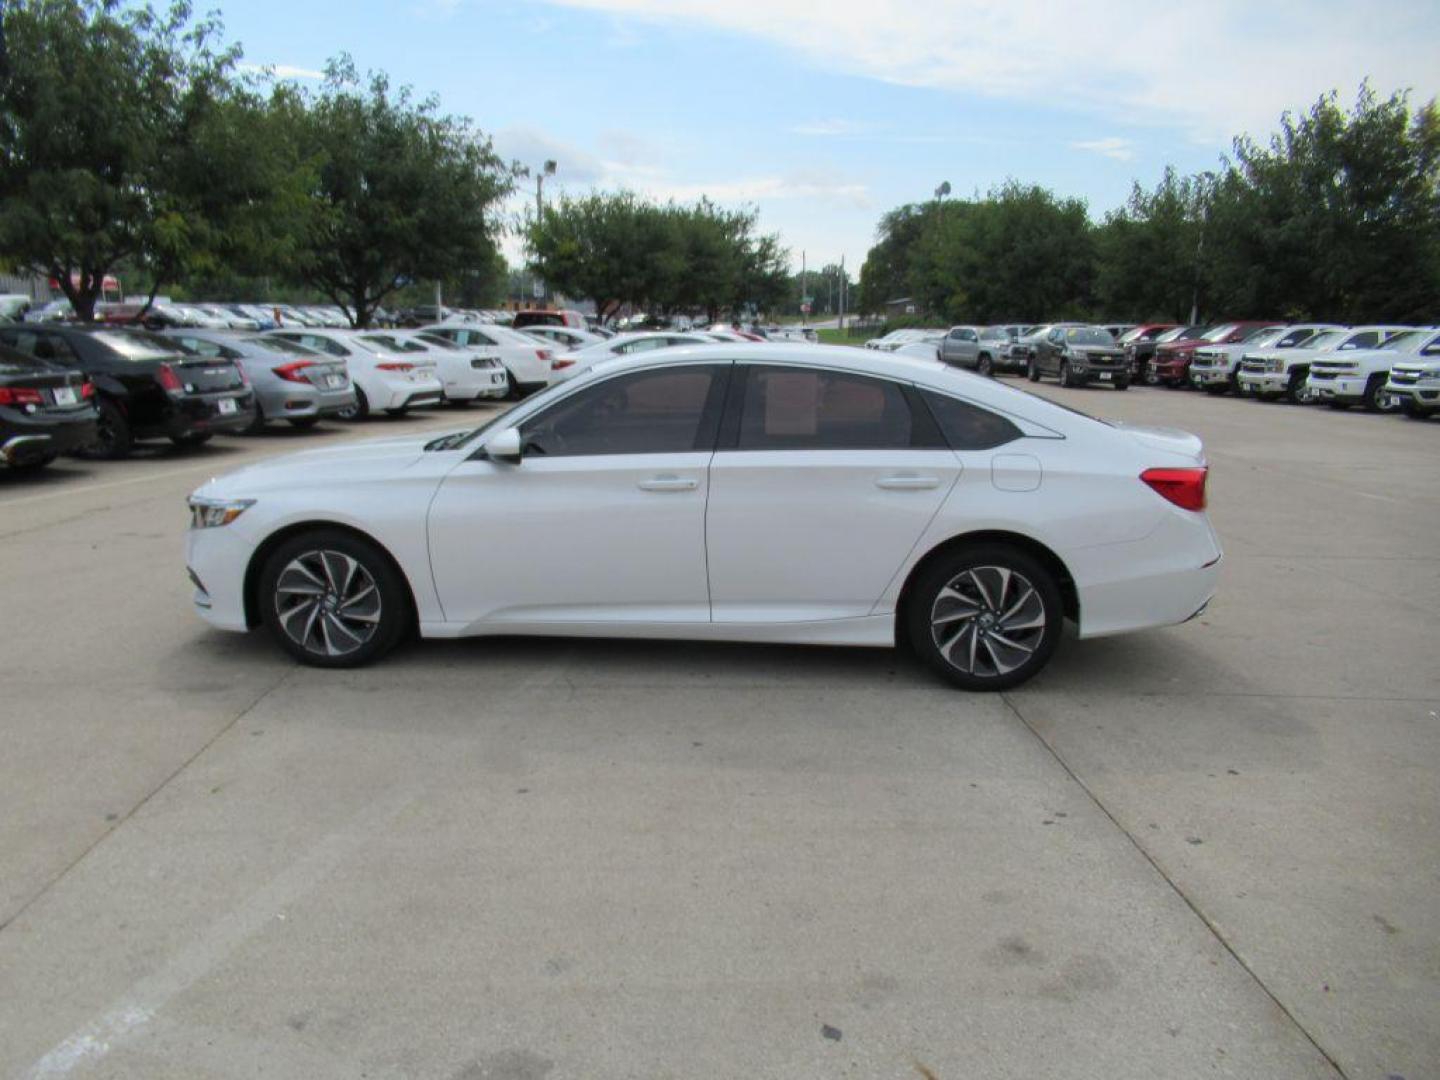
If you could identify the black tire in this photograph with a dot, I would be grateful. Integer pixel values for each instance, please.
(256, 426)
(397, 413)
(512, 390)
(113, 438)
(985, 366)
(392, 610)
(1122, 384)
(1376, 399)
(359, 411)
(929, 616)
(1216, 389)
(1296, 393)
(1032, 370)
(1066, 379)
(304, 423)
(1413, 411)
(191, 438)
(1338, 406)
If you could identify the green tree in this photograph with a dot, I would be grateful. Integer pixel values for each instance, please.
(401, 192)
(108, 114)
(1150, 251)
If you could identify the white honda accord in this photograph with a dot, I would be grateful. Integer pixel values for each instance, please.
(774, 493)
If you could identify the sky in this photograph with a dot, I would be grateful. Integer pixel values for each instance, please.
(823, 116)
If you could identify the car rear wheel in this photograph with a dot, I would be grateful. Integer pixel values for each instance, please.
(986, 617)
(113, 438)
(332, 599)
(359, 411)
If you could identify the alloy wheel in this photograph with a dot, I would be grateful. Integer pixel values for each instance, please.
(327, 602)
(988, 621)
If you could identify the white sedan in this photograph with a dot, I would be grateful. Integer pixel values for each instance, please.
(526, 360)
(467, 374)
(569, 364)
(766, 493)
(383, 378)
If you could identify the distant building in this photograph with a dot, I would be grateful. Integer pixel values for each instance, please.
(905, 305)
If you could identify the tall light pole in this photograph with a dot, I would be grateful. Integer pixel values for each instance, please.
(548, 169)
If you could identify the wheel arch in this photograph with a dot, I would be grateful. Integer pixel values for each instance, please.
(1028, 544)
(279, 536)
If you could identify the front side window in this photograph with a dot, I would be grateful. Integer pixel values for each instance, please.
(1366, 339)
(648, 412)
(802, 409)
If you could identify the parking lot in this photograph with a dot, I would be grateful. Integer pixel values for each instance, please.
(1205, 851)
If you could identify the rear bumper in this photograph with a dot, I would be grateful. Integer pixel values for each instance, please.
(25, 438)
(200, 413)
(298, 400)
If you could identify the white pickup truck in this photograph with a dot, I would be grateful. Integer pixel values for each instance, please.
(1216, 368)
(1360, 377)
(1415, 380)
(1275, 373)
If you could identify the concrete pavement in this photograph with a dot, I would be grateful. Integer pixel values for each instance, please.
(1205, 851)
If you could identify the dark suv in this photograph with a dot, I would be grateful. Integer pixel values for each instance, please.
(146, 386)
(1077, 355)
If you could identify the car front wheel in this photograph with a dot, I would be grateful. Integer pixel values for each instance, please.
(332, 599)
(1032, 370)
(985, 618)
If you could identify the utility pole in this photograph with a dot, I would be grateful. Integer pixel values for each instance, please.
(803, 319)
(548, 169)
(844, 284)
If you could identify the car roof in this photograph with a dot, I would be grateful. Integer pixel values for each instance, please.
(920, 370)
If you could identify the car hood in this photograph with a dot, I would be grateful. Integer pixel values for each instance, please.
(350, 462)
(1384, 356)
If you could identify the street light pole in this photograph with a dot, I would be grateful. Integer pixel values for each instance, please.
(547, 170)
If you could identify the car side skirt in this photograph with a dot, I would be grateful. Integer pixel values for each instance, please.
(868, 630)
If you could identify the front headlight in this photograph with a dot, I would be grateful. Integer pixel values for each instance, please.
(1275, 365)
(212, 513)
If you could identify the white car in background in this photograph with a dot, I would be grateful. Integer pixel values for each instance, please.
(569, 364)
(1216, 368)
(526, 359)
(564, 338)
(799, 494)
(1359, 377)
(1274, 373)
(383, 379)
(1415, 382)
(895, 338)
(467, 374)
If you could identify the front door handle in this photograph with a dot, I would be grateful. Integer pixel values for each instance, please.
(908, 483)
(669, 483)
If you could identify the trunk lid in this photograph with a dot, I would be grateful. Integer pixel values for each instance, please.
(1181, 444)
(208, 374)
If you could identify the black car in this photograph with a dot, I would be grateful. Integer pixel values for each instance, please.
(1077, 355)
(146, 386)
(45, 411)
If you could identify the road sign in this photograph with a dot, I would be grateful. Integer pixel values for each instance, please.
(804, 309)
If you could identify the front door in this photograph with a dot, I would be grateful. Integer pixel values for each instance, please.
(603, 519)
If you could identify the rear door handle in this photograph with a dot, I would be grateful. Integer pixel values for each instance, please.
(669, 483)
(908, 483)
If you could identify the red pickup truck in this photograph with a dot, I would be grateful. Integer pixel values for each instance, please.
(1171, 364)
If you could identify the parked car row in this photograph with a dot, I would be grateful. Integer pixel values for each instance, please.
(1381, 368)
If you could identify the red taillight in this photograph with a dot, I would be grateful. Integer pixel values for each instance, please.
(87, 389)
(169, 380)
(292, 372)
(19, 395)
(396, 367)
(1183, 487)
(560, 364)
(544, 355)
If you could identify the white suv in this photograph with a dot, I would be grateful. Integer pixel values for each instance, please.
(1216, 368)
(1415, 381)
(1359, 377)
(1275, 373)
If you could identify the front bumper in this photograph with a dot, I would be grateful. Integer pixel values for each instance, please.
(1424, 394)
(1207, 376)
(217, 560)
(1348, 388)
(1267, 382)
(1169, 370)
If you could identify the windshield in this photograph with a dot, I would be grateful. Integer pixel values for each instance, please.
(1265, 337)
(280, 345)
(1408, 341)
(1323, 341)
(385, 341)
(1089, 335)
(1219, 333)
(1173, 335)
(141, 346)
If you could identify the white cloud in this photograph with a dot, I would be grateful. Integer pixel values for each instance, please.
(283, 71)
(1112, 146)
(1212, 67)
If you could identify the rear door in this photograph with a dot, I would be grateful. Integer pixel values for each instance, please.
(822, 483)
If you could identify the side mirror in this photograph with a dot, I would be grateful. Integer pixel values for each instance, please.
(505, 446)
